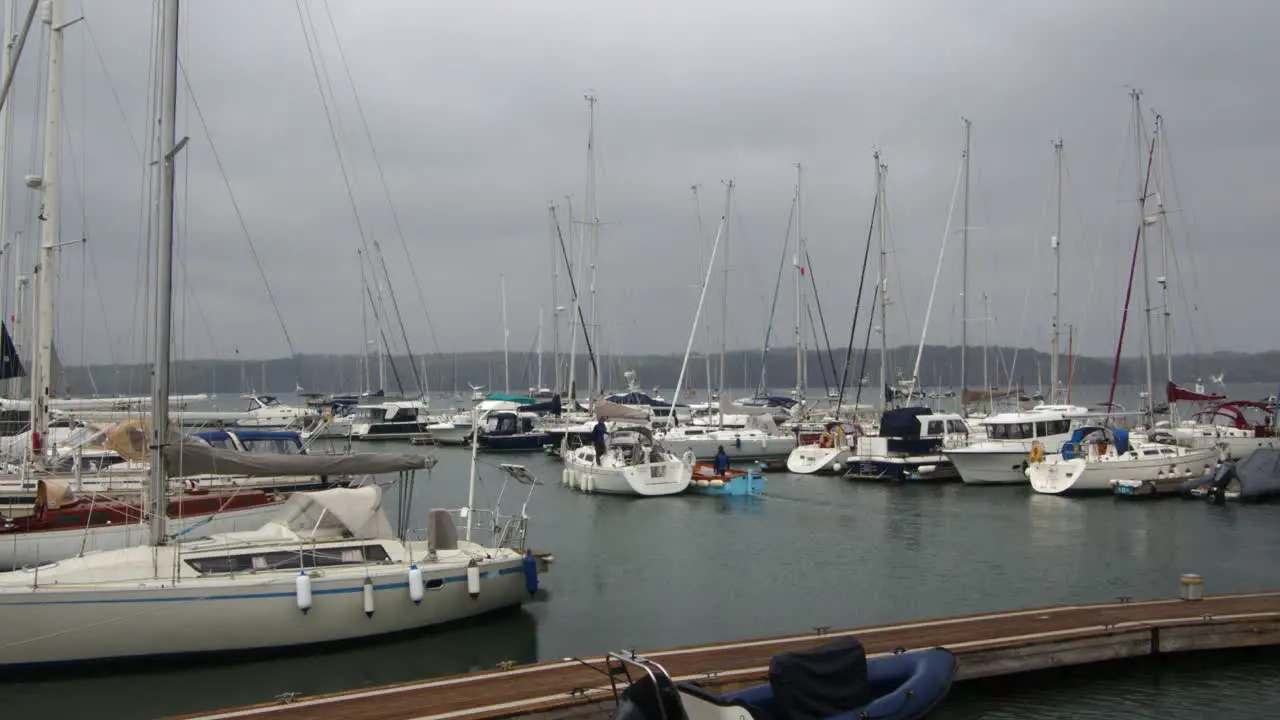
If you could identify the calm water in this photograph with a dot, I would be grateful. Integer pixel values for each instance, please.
(814, 551)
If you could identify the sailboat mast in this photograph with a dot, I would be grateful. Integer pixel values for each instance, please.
(1163, 280)
(702, 254)
(881, 171)
(986, 327)
(592, 222)
(724, 299)
(539, 348)
(168, 59)
(1142, 242)
(1057, 277)
(42, 378)
(6, 266)
(964, 266)
(506, 363)
(799, 340)
(555, 303)
(573, 310)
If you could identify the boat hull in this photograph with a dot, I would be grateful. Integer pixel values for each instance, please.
(200, 617)
(814, 460)
(901, 469)
(668, 477)
(739, 448)
(1056, 476)
(1001, 467)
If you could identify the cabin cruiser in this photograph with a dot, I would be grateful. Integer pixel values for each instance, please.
(266, 411)
(1002, 457)
(391, 420)
(908, 446)
(1095, 456)
(509, 430)
(1228, 426)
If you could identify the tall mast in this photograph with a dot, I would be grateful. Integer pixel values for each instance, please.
(42, 379)
(539, 348)
(883, 286)
(555, 298)
(1142, 242)
(724, 297)
(573, 310)
(7, 266)
(1057, 278)
(964, 266)
(702, 255)
(1163, 280)
(592, 221)
(986, 327)
(799, 340)
(506, 364)
(364, 324)
(168, 59)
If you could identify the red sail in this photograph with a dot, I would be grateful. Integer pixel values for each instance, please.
(1174, 393)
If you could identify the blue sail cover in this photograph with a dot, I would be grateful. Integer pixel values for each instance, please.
(1071, 448)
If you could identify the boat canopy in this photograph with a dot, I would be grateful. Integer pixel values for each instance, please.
(340, 513)
(902, 422)
(519, 399)
(186, 457)
(606, 409)
(1115, 436)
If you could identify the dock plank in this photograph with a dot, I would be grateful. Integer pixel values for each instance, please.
(993, 643)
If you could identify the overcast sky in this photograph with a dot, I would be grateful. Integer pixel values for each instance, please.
(477, 114)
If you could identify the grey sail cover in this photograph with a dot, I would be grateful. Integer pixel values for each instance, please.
(188, 457)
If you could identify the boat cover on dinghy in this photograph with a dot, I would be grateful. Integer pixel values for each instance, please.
(822, 682)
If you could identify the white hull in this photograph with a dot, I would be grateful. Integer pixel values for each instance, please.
(1236, 445)
(1056, 476)
(216, 614)
(29, 549)
(990, 467)
(811, 459)
(451, 433)
(16, 490)
(667, 477)
(744, 446)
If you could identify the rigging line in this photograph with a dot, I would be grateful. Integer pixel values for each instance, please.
(1167, 156)
(924, 330)
(857, 307)
(382, 332)
(235, 205)
(382, 178)
(822, 368)
(115, 95)
(334, 121)
(866, 348)
(762, 388)
(1026, 295)
(1133, 265)
(573, 287)
(831, 360)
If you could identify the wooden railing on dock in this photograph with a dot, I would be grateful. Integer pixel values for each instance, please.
(988, 645)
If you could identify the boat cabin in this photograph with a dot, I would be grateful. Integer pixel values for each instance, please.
(919, 430)
(507, 422)
(274, 442)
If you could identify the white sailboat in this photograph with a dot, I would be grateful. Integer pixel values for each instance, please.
(328, 568)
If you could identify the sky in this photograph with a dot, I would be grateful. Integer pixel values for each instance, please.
(475, 113)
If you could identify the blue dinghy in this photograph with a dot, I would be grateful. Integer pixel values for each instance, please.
(833, 682)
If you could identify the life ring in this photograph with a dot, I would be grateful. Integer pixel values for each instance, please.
(1037, 453)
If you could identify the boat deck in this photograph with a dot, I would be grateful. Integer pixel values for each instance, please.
(988, 645)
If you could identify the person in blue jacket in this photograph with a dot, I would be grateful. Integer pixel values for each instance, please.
(597, 438)
(722, 461)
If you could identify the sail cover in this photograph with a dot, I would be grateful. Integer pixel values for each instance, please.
(729, 407)
(609, 410)
(188, 457)
(1173, 393)
(10, 363)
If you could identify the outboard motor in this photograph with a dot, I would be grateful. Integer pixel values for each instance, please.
(1217, 494)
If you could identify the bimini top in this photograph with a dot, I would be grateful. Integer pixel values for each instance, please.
(504, 397)
(341, 513)
(1095, 433)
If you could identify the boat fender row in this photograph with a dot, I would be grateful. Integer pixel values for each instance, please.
(473, 579)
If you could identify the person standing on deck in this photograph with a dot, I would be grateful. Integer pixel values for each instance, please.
(722, 461)
(598, 436)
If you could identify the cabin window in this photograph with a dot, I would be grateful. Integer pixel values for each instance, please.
(290, 560)
(997, 432)
(958, 427)
(435, 583)
(272, 446)
(934, 427)
(69, 520)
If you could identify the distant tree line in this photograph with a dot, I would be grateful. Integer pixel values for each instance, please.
(446, 373)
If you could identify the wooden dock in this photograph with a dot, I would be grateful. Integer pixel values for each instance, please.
(987, 645)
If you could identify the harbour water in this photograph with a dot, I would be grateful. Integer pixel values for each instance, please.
(813, 551)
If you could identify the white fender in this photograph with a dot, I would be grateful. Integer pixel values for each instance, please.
(473, 580)
(302, 586)
(417, 588)
(368, 597)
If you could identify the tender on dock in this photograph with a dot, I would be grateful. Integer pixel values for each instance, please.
(986, 645)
